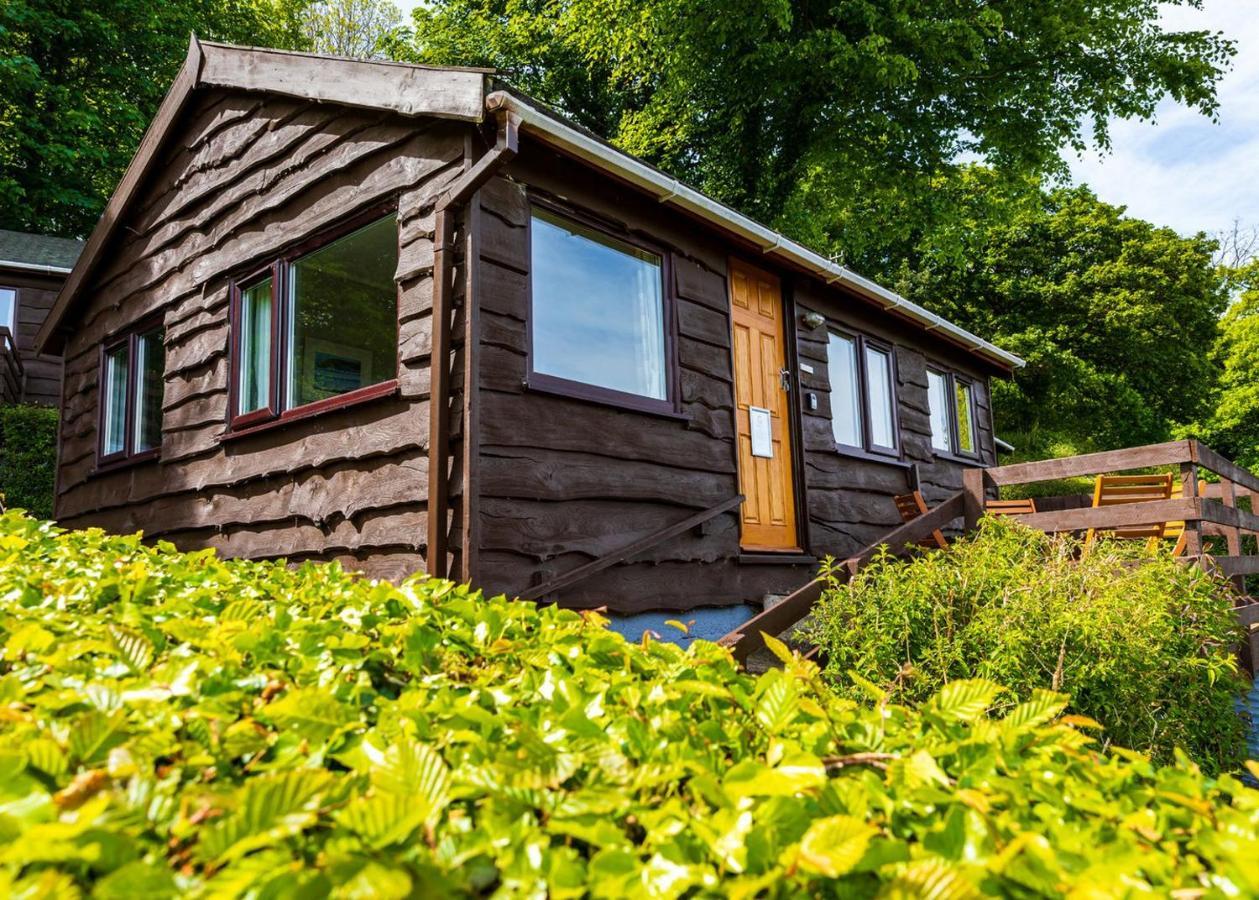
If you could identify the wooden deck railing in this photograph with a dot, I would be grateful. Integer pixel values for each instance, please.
(1211, 511)
(11, 374)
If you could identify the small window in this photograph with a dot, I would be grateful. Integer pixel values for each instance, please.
(8, 312)
(954, 427)
(863, 394)
(598, 317)
(841, 362)
(966, 439)
(938, 402)
(318, 326)
(132, 375)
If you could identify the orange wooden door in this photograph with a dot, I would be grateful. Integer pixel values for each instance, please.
(762, 405)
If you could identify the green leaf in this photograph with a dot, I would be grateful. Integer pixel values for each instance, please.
(133, 648)
(965, 700)
(778, 703)
(1038, 709)
(311, 712)
(269, 808)
(931, 880)
(833, 846)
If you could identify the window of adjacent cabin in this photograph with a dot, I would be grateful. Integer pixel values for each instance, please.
(317, 327)
(598, 317)
(863, 394)
(954, 427)
(8, 312)
(131, 379)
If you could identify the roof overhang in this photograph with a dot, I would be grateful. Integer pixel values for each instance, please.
(409, 90)
(458, 94)
(33, 267)
(573, 142)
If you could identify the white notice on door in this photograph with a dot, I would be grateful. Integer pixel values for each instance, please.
(762, 432)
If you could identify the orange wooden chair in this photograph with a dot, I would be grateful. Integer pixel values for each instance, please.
(911, 506)
(1115, 490)
(1176, 530)
(1024, 507)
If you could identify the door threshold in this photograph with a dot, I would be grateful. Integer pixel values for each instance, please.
(797, 557)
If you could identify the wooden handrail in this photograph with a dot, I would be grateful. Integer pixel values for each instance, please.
(1171, 453)
(749, 637)
(568, 579)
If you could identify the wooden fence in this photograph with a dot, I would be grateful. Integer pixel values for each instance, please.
(1211, 512)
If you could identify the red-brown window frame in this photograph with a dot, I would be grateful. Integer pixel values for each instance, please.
(278, 270)
(670, 406)
(868, 448)
(951, 382)
(129, 337)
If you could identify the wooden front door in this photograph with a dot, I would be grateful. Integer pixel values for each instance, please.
(762, 410)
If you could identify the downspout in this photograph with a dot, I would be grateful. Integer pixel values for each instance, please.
(504, 149)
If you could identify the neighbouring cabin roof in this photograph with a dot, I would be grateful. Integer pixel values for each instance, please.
(38, 252)
(465, 94)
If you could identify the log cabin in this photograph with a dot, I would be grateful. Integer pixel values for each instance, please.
(412, 320)
(32, 269)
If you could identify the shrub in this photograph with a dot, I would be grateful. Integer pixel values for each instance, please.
(174, 724)
(1145, 649)
(28, 458)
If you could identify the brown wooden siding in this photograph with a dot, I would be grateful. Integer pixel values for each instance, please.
(42, 372)
(561, 481)
(249, 177)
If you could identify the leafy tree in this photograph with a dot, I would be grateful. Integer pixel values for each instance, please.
(833, 120)
(1233, 427)
(1116, 317)
(79, 82)
(349, 27)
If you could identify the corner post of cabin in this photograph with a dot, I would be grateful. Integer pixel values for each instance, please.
(975, 484)
(1189, 491)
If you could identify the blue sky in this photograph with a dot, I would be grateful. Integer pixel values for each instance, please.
(1182, 169)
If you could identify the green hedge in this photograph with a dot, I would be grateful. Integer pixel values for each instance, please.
(1147, 649)
(171, 724)
(28, 458)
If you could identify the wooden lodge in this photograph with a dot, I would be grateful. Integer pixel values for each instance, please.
(409, 319)
(32, 269)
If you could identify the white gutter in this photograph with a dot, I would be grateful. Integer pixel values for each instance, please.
(1004, 446)
(33, 267)
(670, 190)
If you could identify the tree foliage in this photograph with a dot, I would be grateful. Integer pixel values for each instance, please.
(174, 725)
(1117, 318)
(1233, 425)
(833, 120)
(1147, 649)
(357, 28)
(79, 83)
(28, 458)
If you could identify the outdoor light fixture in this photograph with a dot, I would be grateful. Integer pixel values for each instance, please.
(813, 320)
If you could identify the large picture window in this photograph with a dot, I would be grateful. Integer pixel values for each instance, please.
(132, 371)
(863, 394)
(598, 320)
(319, 327)
(954, 426)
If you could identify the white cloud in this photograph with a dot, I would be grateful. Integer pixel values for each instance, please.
(1184, 170)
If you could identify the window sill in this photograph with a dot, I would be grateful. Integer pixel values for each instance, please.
(118, 465)
(555, 387)
(956, 459)
(318, 408)
(864, 456)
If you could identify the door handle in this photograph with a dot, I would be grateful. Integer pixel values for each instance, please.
(785, 376)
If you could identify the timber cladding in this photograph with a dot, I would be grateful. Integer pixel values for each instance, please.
(542, 478)
(35, 295)
(561, 480)
(248, 177)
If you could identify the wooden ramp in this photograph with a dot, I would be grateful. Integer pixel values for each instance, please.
(748, 638)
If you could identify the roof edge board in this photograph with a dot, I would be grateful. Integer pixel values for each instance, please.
(34, 267)
(670, 190)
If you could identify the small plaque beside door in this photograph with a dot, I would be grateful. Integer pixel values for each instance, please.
(762, 428)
